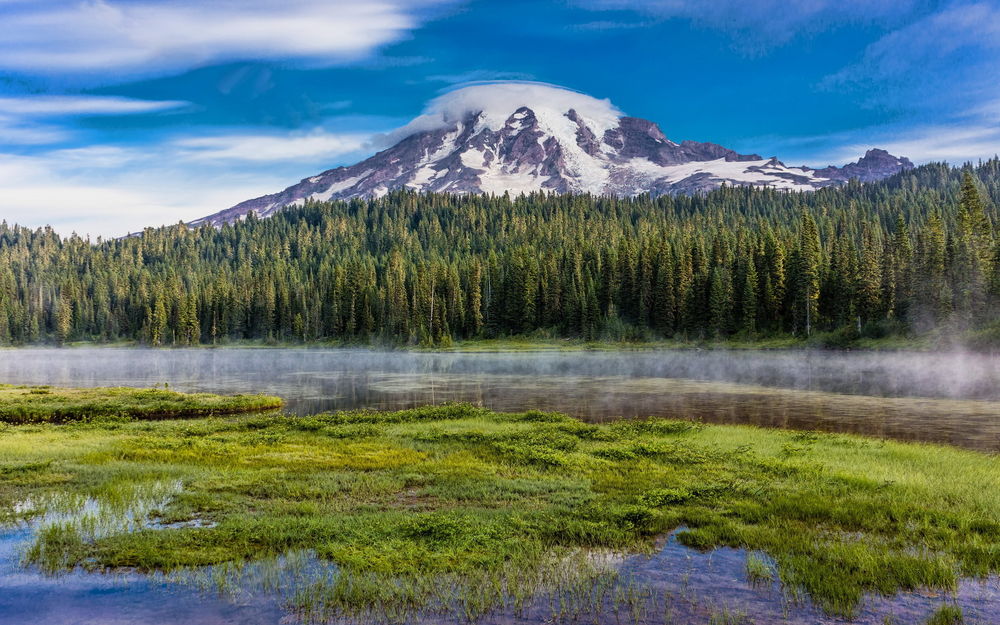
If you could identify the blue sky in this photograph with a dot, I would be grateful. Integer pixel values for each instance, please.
(117, 114)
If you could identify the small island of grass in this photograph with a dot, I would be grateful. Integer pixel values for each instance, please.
(46, 404)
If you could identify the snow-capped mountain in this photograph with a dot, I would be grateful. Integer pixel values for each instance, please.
(524, 137)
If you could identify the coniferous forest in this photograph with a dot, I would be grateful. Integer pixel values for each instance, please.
(908, 255)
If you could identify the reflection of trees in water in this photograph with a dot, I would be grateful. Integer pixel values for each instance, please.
(973, 424)
(715, 386)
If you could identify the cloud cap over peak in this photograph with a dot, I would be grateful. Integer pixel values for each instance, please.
(509, 95)
(498, 100)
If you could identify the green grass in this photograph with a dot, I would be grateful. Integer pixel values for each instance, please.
(947, 615)
(458, 506)
(46, 404)
(758, 570)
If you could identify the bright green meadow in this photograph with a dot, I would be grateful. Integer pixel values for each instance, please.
(45, 404)
(454, 509)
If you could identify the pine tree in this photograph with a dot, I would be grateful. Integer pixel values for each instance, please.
(807, 282)
(903, 252)
(664, 301)
(156, 323)
(64, 319)
(869, 288)
(475, 300)
(932, 296)
(189, 328)
(748, 322)
(720, 300)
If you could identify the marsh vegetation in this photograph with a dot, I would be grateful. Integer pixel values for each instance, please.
(461, 512)
(21, 404)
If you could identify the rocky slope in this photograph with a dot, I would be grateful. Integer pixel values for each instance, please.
(520, 138)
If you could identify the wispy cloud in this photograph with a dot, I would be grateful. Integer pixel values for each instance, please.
(479, 75)
(762, 24)
(939, 72)
(111, 190)
(957, 139)
(16, 131)
(114, 36)
(56, 105)
(956, 47)
(20, 116)
(609, 25)
(954, 144)
(312, 145)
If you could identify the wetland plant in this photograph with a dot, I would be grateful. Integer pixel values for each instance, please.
(461, 511)
(759, 571)
(947, 614)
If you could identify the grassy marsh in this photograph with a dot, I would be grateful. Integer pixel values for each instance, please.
(46, 404)
(459, 509)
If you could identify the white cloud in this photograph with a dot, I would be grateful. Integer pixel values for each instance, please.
(938, 72)
(107, 190)
(761, 24)
(971, 136)
(497, 100)
(14, 131)
(480, 75)
(115, 36)
(949, 53)
(89, 192)
(19, 115)
(270, 148)
(55, 105)
(503, 97)
(935, 37)
(954, 143)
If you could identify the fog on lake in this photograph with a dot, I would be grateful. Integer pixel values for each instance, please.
(952, 397)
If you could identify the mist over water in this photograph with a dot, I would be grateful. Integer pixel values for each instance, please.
(952, 398)
(889, 374)
(940, 397)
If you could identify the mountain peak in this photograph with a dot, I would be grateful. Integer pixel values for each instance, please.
(521, 137)
(876, 164)
(496, 102)
(882, 157)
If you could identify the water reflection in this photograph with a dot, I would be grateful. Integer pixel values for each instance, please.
(676, 585)
(28, 596)
(952, 398)
(949, 398)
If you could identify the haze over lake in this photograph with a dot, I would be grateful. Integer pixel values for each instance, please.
(949, 397)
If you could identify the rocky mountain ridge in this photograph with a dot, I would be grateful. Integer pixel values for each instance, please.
(497, 139)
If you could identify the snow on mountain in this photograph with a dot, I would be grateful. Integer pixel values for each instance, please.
(524, 137)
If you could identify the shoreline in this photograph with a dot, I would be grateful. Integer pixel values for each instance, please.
(486, 346)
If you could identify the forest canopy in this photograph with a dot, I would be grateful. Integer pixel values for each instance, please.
(906, 255)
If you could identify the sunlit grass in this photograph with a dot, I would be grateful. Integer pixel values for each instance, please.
(457, 508)
(46, 404)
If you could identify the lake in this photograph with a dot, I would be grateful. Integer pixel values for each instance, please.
(949, 398)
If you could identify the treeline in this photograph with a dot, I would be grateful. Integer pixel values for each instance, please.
(900, 256)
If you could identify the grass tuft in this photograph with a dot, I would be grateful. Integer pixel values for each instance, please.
(947, 614)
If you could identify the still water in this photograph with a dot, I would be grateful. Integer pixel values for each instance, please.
(949, 398)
